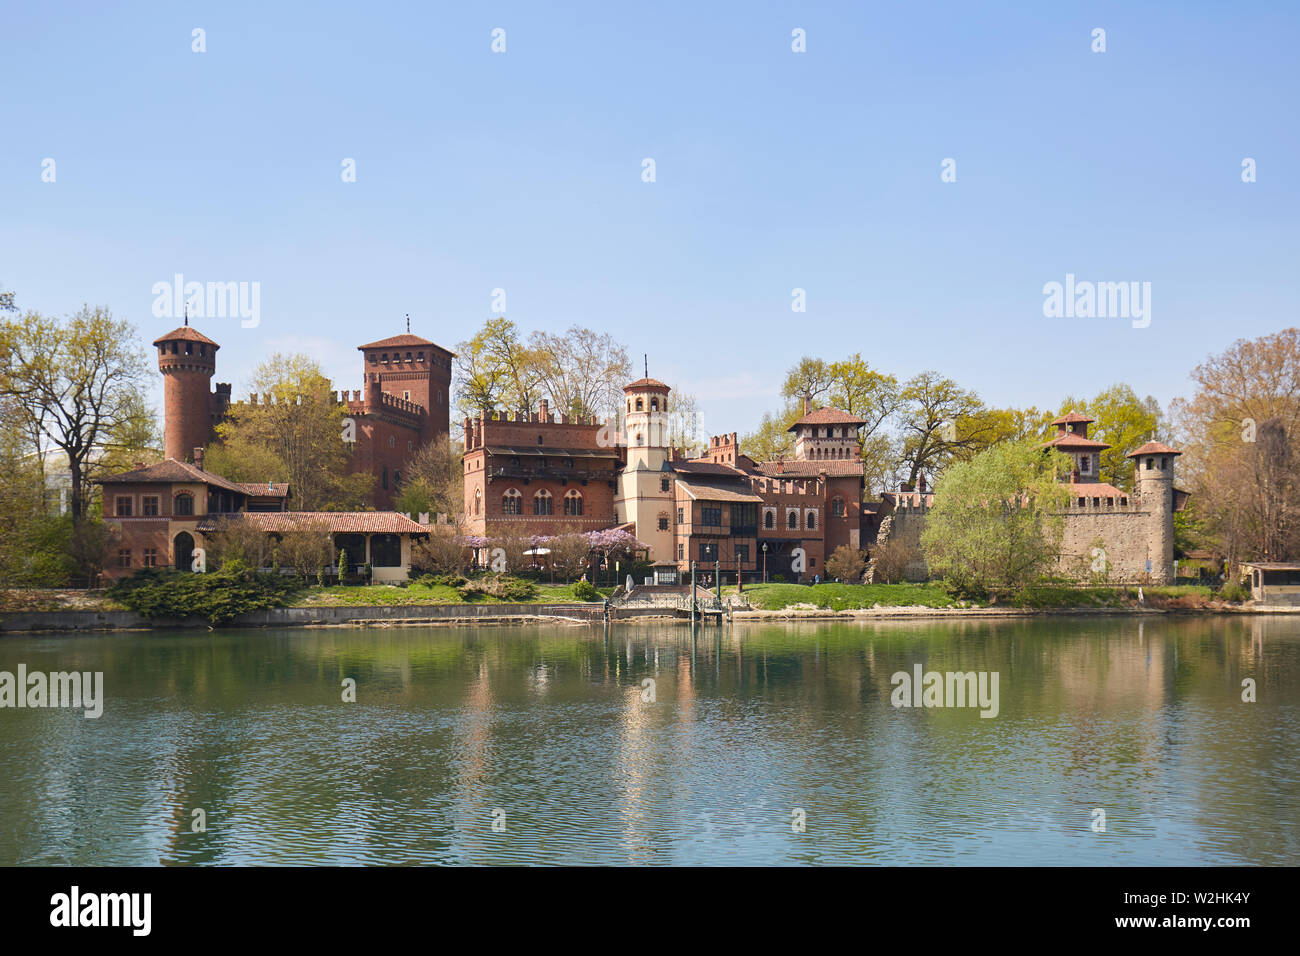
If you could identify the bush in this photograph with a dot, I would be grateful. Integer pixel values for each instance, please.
(500, 587)
(586, 591)
(890, 561)
(442, 580)
(217, 596)
(1235, 592)
(846, 564)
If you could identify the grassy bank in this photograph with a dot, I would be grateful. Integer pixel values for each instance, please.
(380, 595)
(844, 597)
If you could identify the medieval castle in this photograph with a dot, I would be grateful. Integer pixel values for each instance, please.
(544, 474)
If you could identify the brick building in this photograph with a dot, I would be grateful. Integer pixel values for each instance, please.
(404, 404)
(721, 510)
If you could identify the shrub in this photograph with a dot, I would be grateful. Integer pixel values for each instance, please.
(1235, 592)
(846, 564)
(500, 587)
(586, 591)
(890, 561)
(217, 596)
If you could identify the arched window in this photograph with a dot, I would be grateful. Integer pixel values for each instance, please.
(512, 502)
(573, 502)
(812, 520)
(543, 503)
(769, 519)
(837, 507)
(792, 520)
(183, 504)
(639, 405)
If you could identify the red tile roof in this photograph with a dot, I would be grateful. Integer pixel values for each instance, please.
(697, 466)
(186, 334)
(171, 470)
(828, 416)
(1152, 448)
(1072, 418)
(1075, 442)
(1095, 489)
(264, 489)
(652, 383)
(706, 491)
(398, 341)
(336, 522)
(801, 468)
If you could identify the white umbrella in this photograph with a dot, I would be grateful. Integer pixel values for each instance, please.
(538, 551)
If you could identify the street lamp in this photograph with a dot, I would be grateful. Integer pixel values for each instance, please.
(764, 562)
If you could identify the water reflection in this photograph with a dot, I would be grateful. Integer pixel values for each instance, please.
(548, 729)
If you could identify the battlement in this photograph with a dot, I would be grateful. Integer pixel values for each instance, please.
(809, 487)
(499, 427)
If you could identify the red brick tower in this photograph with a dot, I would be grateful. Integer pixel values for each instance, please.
(414, 370)
(187, 360)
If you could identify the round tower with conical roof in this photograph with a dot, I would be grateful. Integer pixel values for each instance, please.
(187, 359)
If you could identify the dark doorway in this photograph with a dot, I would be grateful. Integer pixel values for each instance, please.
(183, 548)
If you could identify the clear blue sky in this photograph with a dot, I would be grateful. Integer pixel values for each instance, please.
(775, 170)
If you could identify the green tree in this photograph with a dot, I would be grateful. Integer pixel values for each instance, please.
(997, 520)
(941, 422)
(73, 384)
(297, 437)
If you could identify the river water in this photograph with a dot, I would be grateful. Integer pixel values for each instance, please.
(763, 744)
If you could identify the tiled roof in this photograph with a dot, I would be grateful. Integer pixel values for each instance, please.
(186, 334)
(698, 466)
(1076, 442)
(800, 468)
(827, 416)
(646, 383)
(547, 451)
(337, 522)
(709, 491)
(172, 470)
(1072, 418)
(1095, 489)
(264, 489)
(398, 341)
(1152, 448)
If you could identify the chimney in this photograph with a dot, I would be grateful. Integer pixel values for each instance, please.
(544, 410)
(921, 482)
(805, 404)
(198, 458)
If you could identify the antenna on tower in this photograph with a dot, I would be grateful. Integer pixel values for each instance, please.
(187, 312)
(408, 323)
(646, 357)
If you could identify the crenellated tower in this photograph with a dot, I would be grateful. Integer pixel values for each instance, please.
(187, 360)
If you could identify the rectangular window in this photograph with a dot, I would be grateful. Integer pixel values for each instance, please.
(663, 524)
(124, 557)
(150, 505)
(812, 562)
(680, 516)
(663, 484)
(681, 552)
(124, 507)
(711, 516)
(385, 550)
(151, 557)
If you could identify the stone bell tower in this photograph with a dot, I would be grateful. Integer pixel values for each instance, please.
(645, 489)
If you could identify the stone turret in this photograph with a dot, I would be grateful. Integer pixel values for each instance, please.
(1154, 485)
